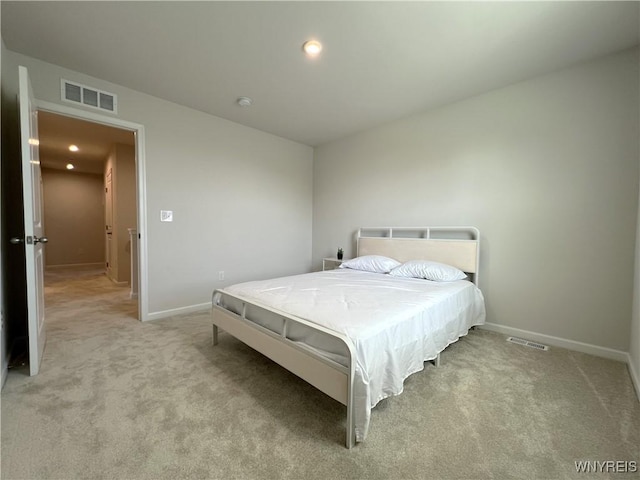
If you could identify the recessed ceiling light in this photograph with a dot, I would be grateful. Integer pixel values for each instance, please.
(73, 148)
(244, 101)
(312, 47)
(70, 166)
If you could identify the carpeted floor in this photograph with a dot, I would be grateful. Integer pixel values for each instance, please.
(119, 399)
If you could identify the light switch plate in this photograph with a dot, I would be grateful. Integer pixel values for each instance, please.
(166, 215)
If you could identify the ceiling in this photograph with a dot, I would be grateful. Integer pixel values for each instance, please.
(381, 60)
(94, 141)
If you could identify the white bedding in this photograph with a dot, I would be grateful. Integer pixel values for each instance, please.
(395, 324)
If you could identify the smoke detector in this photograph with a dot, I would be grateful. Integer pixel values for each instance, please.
(244, 101)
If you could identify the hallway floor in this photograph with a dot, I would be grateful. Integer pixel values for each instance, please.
(70, 290)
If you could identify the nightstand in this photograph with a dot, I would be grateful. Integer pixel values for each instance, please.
(331, 263)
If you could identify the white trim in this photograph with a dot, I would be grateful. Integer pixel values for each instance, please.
(178, 311)
(635, 376)
(609, 353)
(143, 285)
(138, 129)
(96, 117)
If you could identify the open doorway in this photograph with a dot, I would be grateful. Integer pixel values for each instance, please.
(90, 214)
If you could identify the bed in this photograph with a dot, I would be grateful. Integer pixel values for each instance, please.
(356, 333)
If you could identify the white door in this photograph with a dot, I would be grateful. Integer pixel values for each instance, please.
(33, 225)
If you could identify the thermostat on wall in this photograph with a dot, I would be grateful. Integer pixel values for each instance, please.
(166, 215)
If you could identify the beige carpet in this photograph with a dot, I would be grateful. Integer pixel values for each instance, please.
(119, 399)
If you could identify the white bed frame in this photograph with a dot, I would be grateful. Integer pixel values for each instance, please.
(457, 246)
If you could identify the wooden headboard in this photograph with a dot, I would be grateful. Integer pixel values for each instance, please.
(456, 246)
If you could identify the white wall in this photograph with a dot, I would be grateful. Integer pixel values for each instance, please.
(547, 169)
(634, 347)
(242, 199)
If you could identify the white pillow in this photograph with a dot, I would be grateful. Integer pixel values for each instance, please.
(371, 263)
(438, 272)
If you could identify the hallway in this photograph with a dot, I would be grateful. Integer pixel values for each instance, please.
(82, 303)
(70, 292)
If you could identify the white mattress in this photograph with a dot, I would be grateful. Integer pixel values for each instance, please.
(395, 324)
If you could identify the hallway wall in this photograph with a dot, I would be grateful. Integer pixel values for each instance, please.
(73, 217)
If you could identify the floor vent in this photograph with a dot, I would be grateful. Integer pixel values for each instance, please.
(527, 343)
(89, 96)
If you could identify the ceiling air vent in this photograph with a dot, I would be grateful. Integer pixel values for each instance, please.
(89, 96)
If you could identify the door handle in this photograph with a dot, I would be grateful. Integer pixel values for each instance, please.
(33, 240)
(16, 241)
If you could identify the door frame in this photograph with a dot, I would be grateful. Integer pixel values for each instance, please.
(141, 190)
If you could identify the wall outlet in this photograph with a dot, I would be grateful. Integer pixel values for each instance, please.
(221, 275)
(166, 215)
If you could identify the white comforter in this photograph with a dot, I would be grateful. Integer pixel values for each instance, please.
(395, 324)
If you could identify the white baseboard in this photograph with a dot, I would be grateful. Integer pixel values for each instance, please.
(178, 311)
(635, 377)
(609, 353)
(116, 282)
(75, 265)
